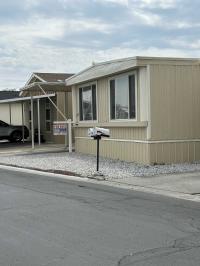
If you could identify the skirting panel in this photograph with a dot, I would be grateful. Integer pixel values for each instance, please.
(146, 153)
(125, 151)
(179, 152)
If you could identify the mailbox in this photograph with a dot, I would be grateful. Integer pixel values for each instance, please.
(98, 132)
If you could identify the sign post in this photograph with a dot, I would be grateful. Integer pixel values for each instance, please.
(62, 128)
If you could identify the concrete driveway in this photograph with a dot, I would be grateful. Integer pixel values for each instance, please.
(8, 148)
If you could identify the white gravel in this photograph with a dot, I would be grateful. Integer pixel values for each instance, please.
(85, 165)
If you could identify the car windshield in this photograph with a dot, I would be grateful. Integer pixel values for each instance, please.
(3, 124)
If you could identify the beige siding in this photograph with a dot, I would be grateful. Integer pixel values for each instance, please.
(128, 131)
(178, 152)
(102, 101)
(118, 133)
(119, 146)
(103, 98)
(126, 151)
(64, 103)
(143, 100)
(175, 102)
(169, 99)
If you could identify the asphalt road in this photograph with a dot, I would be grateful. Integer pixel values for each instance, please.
(45, 221)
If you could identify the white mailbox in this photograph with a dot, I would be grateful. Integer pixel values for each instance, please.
(98, 132)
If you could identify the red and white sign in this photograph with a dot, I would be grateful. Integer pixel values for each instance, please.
(60, 128)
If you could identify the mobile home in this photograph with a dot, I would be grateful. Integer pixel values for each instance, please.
(151, 106)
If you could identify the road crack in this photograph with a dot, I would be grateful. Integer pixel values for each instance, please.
(179, 245)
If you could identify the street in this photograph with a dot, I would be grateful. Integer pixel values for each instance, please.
(47, 221)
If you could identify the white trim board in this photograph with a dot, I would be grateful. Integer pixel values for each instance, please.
(145, 141)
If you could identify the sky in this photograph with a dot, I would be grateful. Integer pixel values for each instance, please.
(69, 35)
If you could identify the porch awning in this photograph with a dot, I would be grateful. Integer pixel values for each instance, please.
(56, 86)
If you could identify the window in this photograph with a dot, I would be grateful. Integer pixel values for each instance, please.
(87, 103)
(47, 115)
(122, 97)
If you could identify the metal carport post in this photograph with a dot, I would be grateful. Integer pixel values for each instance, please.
(38, 112)
(22, 104)
(32, 124)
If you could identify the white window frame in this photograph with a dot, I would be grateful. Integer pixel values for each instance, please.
(82, 86)
(47, 120)
(136, 97)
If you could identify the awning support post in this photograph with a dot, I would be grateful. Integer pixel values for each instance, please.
(32, 124)
(70, 134)
(22, 121)
(38, 111)
(65, 118)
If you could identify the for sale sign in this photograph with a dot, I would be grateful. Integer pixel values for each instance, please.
(59, 128)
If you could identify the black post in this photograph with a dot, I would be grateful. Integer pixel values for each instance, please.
(98, 138)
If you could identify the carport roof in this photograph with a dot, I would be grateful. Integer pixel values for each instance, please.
(52, 77)
(47, 86)
(21, 99)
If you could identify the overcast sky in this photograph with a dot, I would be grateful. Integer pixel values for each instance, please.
(68, 35)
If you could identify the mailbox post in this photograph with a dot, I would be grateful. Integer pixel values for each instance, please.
(97, 133)
(97, 138)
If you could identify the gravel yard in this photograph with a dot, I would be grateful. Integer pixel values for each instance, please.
(85, 165)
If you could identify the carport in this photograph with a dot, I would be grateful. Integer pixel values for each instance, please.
(22, 101)
(59, 90)
(39, 88)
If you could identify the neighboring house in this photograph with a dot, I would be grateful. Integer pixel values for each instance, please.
(10, 112)
(150, 105)
(52, 84)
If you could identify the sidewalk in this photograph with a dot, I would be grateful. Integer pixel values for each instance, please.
(183, 186)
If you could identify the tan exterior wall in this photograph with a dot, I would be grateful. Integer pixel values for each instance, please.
(64, 103)
(119, 133)
(103, 99)
(121, 144)
(175, 102)
(175, 113)
(177, 152)
(169, 100)
(126, 151)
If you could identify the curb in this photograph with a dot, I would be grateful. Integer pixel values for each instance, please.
(95, 179)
